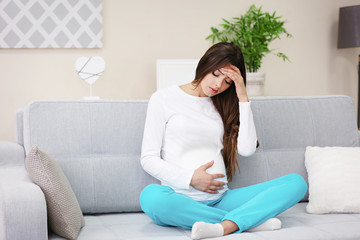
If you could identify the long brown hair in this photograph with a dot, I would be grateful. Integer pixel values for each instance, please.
(226, 103)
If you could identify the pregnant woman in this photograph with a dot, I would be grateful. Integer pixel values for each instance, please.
(191, 138)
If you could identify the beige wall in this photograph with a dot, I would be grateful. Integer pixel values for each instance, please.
(138, 32)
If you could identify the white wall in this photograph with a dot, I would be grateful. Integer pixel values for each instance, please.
(138, 32)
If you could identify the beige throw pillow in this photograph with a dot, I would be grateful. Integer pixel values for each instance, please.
(334, 179)
(64, 213)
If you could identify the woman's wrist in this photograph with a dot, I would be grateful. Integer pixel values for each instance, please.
(243, 98)
(241, 92)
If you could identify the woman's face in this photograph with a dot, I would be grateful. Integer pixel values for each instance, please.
(215, 83)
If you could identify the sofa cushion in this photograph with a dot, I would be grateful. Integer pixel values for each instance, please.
(285, 126)
(296, 225)
(333, 179)
(98, 145)
(64, 213)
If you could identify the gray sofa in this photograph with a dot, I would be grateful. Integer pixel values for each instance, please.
(98, 143)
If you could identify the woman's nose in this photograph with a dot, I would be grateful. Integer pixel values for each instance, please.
(218, 83)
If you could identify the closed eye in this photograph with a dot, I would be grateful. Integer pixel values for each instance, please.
(216, 75)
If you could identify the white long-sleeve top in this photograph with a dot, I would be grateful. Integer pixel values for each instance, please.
(183, 132)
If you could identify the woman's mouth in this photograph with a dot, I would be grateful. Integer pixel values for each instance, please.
(213, 90)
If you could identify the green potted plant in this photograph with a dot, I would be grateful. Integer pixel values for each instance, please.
(252, 32)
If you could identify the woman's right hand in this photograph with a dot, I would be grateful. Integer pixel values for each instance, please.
(204, 181)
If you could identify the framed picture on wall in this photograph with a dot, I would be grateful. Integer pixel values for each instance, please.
(171, 72)
(51, 24)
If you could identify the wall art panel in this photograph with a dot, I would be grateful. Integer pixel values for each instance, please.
(51, 24)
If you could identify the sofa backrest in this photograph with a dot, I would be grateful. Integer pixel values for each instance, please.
(285, 126)
(98, 143)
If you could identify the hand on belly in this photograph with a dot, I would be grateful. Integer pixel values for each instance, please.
(206, 182)
(209, 175)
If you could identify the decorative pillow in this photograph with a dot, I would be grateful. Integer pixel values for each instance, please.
(64, 213)
(334, 179)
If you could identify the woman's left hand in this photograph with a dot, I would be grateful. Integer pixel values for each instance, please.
(235, 75)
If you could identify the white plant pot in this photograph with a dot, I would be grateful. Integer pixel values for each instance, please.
(255, 84)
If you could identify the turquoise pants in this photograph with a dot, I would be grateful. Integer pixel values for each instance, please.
(246, 206)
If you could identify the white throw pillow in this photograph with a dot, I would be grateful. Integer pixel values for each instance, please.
(334, 179)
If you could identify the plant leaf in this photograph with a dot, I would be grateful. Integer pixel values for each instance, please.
(252, 32)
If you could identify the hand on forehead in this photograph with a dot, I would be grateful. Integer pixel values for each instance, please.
(229, 67)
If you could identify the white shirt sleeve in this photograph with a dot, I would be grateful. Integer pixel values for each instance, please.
(151, 160)
(247, 140)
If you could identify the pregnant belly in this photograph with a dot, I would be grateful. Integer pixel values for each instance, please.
(193, 158)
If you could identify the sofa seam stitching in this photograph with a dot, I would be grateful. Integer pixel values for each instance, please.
(92, 160)
(312, 124)
(263, 143)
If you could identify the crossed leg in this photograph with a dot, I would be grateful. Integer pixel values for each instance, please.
(238, 210)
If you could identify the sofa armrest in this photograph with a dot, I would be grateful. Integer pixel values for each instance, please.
(22, 203)
(11, 154)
